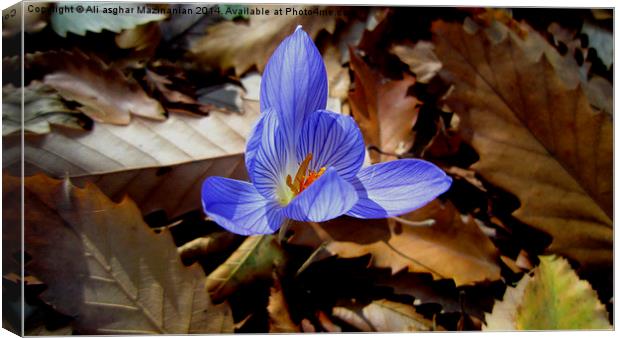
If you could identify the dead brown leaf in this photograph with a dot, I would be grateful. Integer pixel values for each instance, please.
(420, 58)
(327, 324)
(384, 112)
(103, 265)
(158, 164)
(398, 245)
(140, 38)
(175, 97)
(202, 247)
(385, 316)
(241, 45)
(471, 300)
(42, 107)
(536, 138)
(105, 93)
(279, 317)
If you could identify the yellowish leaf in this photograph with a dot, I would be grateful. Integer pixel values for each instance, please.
(553, 299)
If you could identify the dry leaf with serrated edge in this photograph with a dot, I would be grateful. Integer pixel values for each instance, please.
(397, 246)
(161, 82)
(105, 93)
(473, 300)
(515, 111)
(79, 23)
(256, 258)
(241, 45)
(104, 266)
(158, 164)
(279, 317)
(553, 299)
(382, 109)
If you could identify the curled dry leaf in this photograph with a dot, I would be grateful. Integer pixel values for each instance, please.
(420, 58)
(255, 259)
(306, 325)
(327, 324)
(513, 111)
(353, 317)
(161, 83)
(158, 164)
(42, 107)
(553, 299)
(139, 38)
(105, 93)
(279, 317)
(15, 20)
(384, 112)
(389, 316)
(175, 97)
(240, 45)
(104, 266)
(204, 246)
(385, 316)
(397, 246)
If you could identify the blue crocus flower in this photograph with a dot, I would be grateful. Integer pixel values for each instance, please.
(305, 163)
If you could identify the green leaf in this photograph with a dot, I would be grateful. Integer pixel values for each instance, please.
(42, 107)
(553, 299)
(253, 260)
(100, 16)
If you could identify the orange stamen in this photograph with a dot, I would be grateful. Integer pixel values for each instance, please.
(303, 181)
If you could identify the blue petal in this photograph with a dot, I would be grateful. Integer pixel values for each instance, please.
(294, 82)
(397, 187)
(328, 197)
(252, 146)
(238, 207)
(269, 158)
(334, 141)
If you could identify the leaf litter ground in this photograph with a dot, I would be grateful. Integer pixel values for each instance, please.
(441, 75)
